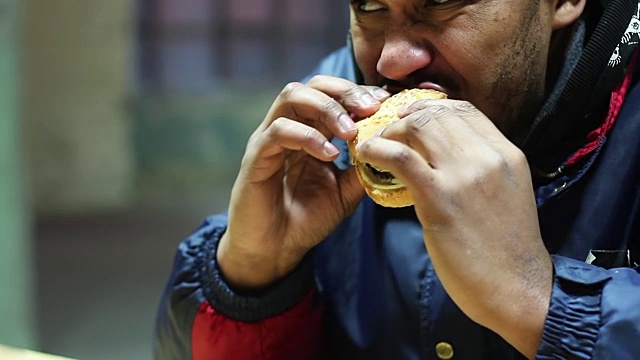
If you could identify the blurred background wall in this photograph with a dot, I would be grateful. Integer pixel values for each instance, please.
(123, 125)
(17, 325)
(76, 81)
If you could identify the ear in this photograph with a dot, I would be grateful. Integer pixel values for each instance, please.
(567, 12)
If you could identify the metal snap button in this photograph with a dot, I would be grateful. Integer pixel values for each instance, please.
(444, 350)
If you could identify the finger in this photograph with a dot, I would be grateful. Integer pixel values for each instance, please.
(420, 105)
(484, 126)
(360, 100)
(435, 132)
(467, 111)
(286, 134)
(496, 141)
(377, 92)
(457, 135)
(401, 160)
(311, 107)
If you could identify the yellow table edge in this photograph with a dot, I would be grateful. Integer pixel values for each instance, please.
(7, 353)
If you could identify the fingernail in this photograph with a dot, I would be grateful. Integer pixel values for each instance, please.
(345, 123)
(330, 149)
(378, 133)
(406, 110)
(380, 93)
(368, 100)
(359, 147)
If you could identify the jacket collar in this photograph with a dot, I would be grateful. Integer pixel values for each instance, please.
(596, 64)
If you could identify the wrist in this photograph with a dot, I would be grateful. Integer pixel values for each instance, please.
(250, 305)
(249, 270)
(518, 309)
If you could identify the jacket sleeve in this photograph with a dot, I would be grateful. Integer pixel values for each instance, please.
(594, 313)
(200, 317)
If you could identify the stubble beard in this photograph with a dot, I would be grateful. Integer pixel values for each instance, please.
(518, 91)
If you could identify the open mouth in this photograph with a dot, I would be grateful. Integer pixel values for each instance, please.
(427, 85)
(379, 178)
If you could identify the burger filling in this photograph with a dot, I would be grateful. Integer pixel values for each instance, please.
(379, 178)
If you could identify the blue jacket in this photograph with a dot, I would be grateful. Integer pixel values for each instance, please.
(594, 313)
(384, 300)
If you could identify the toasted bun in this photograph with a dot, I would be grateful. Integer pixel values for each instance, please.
(388, 192)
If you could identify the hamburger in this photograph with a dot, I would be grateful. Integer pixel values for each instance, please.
(381, 186)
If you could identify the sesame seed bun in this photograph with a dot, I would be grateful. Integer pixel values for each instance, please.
(382, 186)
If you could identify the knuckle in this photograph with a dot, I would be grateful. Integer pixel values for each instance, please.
(492, 160)
(403, 156)
(316, 79)
(417, 106)
(424, 116)
(330, 111)
(518, 158)
(290, 89)
(310, 136)
(495, 171)
(331, 107)
(279, 126)
(485, 170)
(419, 122)
(251, 143)
(352, 93)
(500, 163)
(465, 107)
(354, 90)
(438, 110)
(377, 92)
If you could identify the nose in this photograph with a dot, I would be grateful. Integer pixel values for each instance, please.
(401, 56)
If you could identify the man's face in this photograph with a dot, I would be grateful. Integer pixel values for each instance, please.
(492, 53)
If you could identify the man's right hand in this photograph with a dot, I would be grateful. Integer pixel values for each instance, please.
(289, 195)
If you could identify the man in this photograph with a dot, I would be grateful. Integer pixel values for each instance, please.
(534, 153)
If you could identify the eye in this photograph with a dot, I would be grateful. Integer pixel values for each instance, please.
(367, 6)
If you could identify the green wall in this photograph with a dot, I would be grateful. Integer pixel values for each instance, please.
(15, 276)
(76, 84)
